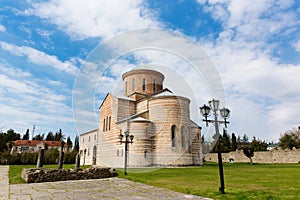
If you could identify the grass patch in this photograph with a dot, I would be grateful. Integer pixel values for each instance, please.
(242, 181)
(15, 171)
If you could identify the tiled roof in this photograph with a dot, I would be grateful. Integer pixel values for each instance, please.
(35, 142)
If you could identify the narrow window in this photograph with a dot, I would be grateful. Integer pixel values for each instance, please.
(118, 152)
(144, 84)
(173, 128)
(126, 87)
(109, 119)
(182, 137)
(106, 125)
(89, 138)
(82, 140)
(154, 85)
(103, 125)
(145, 154)
(95, 137)
(133, 85)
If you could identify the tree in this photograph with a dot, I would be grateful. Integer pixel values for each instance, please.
(3, 146)
(50, 136)
(225, 142)
(233, 142)
(258, 145)
(39, 137)
(249, 152)
(11, 135)
(26, 135)
(76, 143)
(59, 136)
(290, 139)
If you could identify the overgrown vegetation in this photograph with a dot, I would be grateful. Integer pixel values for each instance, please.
(242, 181)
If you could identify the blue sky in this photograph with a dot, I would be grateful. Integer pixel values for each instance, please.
(254, 45)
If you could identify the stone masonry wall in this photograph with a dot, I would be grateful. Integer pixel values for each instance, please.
(51, 175)
(274, 156)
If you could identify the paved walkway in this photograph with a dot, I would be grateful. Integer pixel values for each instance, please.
(110, 188)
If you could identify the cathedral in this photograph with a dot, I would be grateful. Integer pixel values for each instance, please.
(157, 124)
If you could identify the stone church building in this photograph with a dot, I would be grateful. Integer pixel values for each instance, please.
(164, 134)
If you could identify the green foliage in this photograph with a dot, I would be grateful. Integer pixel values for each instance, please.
(76, 143)
(290, 139)
(28, 158)
(50, 136)
(69, 158)
(51, 156)
(249, 152)
(26, 135)
(259, 145)
(39, 137)
(233, 142)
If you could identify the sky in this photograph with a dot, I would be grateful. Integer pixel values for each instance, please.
(52, 57)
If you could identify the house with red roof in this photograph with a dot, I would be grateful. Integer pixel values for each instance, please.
(19, 146)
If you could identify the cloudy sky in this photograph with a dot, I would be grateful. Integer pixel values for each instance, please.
(253, 46)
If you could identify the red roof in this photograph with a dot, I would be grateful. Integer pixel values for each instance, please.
(35, 142)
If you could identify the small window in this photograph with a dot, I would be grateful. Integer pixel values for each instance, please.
(154, 85)
(182, 137)
(82, 140)
(173, 128)
(126, 87)
(103, 125)
(109, 122)
(118, 152)
(106, 125)
(89, 138)
(144, 84)
(95, 137)
(145, 154)
(133, 85)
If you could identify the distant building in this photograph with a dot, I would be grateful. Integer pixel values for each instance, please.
(160, 121)
(19, 146)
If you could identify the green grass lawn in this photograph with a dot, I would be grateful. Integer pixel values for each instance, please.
(242, 181)
(15, 171)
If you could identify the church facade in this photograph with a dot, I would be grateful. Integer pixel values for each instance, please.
(164, 134)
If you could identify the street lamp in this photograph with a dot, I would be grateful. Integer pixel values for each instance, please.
(126, 146)
(205, 111)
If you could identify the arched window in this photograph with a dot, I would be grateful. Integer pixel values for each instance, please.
(133, 85)
(173, 128)
(103, 125)
(154, 86)
(182, 137)
(144, 84)
(109, 122)
(106, 125)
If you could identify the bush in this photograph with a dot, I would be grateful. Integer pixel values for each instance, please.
(70, 158)
(51, 156)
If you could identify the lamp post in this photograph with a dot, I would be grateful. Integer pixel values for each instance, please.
(126, 147)
(205, 111)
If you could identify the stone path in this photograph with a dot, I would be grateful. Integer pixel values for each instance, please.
(4, 186)
(110, 188)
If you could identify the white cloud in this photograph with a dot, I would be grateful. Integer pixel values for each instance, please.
(26, 100)
(296, 46)
(94, 18)
(2, 28)
(39, 57)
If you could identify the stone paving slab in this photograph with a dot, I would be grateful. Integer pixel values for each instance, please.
(4, 185)
(106, 189)
(109, 188)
